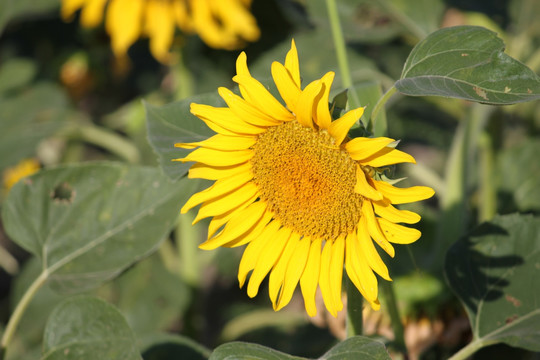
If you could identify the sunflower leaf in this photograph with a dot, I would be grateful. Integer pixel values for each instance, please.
(494, 271)
(357, 347)
(84, 327)
(467, 62)
(174, 123)
(89, 222)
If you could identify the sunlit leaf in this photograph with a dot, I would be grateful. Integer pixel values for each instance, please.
(88, 222)
(467, 62)
(173, 123)
(358, 347)
(494, 271)
(87, 328)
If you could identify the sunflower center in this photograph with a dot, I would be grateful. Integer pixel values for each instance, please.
(307, 181)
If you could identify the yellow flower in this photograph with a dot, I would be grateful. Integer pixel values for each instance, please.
(23, 169)
(292, 185)
(223, 24)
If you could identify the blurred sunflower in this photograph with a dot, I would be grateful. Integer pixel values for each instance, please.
(222, 24)
(292, 185)
(15, 173)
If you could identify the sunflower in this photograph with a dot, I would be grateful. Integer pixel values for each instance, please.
(15, 173)
(303, 196)
(222, 24)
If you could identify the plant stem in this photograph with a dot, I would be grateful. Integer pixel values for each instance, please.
(341, 51)
(19, 311)
(488, 195)
(471, 348)
(355, 303)
(187, 242)
(391, 304)
(377, 126)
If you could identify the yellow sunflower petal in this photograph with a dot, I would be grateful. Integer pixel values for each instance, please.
(403, 195)
(295, 268)
(92, 13)
(304, 107)
(291, 64)
(159, 25)
(336, 270)
(124, 24)
(268, 257)
(245, 111)
(217, 158)
(366, 246)
(363, 188)
(323, 117)
(275, 281)
(361, 147)
(69, 7)
(359, 271)
(227, 202)
(340, 127)
(325, 281)
(310, 277)
(254, 249)
(385, 210)
(239, 224)
(202, 171)
(398, 234)
(387, 156)
(222, 142)
(374, 230)
(262, 99)
(253, 232)
(285, 84)
(219, 188)
(225, 118)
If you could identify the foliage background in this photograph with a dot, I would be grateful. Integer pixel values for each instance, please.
(65, 100)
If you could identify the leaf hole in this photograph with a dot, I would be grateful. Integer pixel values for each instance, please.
(63, 193)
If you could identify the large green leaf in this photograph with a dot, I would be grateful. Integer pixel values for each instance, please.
(88, 222)
(357, 347)
(87, 328)
(27, 118)
(169, 346)
(15, 73)
(467, 62)
(494, 271)
(173, 123)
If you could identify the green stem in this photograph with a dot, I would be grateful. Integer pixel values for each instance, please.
(355, 303)
(391, 304)
(184, 79)
(19, 311)
(105, 139)
(187, 243)
(488, 194)
(471, 348)
(341, 51)
(376, 125)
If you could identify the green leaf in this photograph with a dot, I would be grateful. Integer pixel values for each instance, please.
(169, 346)
(173, 123)
(87, 328)
(28, 118)
(357, 347)
(519, 174)
(494, 271)
(88, 222)
(150, 297)
(10, 9)
(467, 62)
(16, 73)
